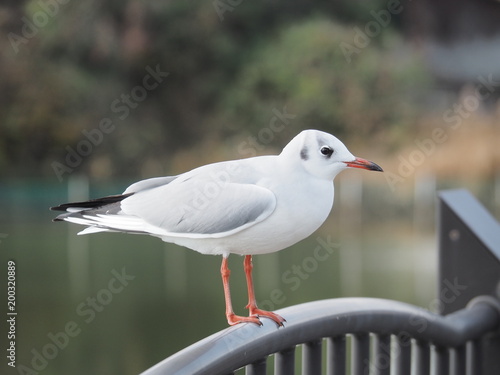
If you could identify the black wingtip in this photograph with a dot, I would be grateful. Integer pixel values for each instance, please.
(93, 203)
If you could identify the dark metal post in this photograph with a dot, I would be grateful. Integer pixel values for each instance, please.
(360, 355)
(311, 357)
(336, 358)
(381, 361)
(469, 261)
(284, 362)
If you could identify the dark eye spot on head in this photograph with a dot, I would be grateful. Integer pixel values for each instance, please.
(327, 151)
(304, 155)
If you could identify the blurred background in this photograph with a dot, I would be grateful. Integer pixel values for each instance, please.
(96, 95)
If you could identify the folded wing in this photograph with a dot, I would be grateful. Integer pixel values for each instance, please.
(198, 208)
(185, 206)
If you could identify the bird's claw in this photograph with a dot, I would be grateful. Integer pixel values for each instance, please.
(279, 320)
(234, 319)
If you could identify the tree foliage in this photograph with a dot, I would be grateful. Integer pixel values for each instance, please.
(69, 66)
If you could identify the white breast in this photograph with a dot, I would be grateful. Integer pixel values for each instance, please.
(302, 206)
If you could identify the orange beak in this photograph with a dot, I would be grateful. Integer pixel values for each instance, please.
(364, 164)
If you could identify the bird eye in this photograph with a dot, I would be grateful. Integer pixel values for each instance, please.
(327, 151)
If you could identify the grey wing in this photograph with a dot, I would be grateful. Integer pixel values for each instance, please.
(150, 183)
(194, 208)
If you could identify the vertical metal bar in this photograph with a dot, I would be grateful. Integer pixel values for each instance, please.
(457, 360)
(440, 360)
(421, 358)
(311, 358)
(284, 362)
(256, 368)
(402, 354)
(360, 358)
(474, 358)
(336, 356)
(381, 360)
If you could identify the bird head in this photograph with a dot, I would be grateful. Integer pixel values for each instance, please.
(324, 155)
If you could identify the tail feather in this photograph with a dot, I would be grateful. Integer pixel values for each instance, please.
(94, 229)
(100, 215)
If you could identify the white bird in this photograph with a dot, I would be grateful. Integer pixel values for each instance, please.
(250, 206)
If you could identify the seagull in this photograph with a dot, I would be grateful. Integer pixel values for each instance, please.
(250, 206)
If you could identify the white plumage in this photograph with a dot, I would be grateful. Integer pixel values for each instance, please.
(249, 206)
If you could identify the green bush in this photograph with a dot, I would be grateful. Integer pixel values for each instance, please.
(304, 68)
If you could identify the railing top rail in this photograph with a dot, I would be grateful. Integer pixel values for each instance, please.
(243, 344)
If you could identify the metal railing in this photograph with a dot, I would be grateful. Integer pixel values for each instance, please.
(366, 336)
(383, 334)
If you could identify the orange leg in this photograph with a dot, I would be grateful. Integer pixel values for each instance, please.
(252, 303)
(232, 318)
